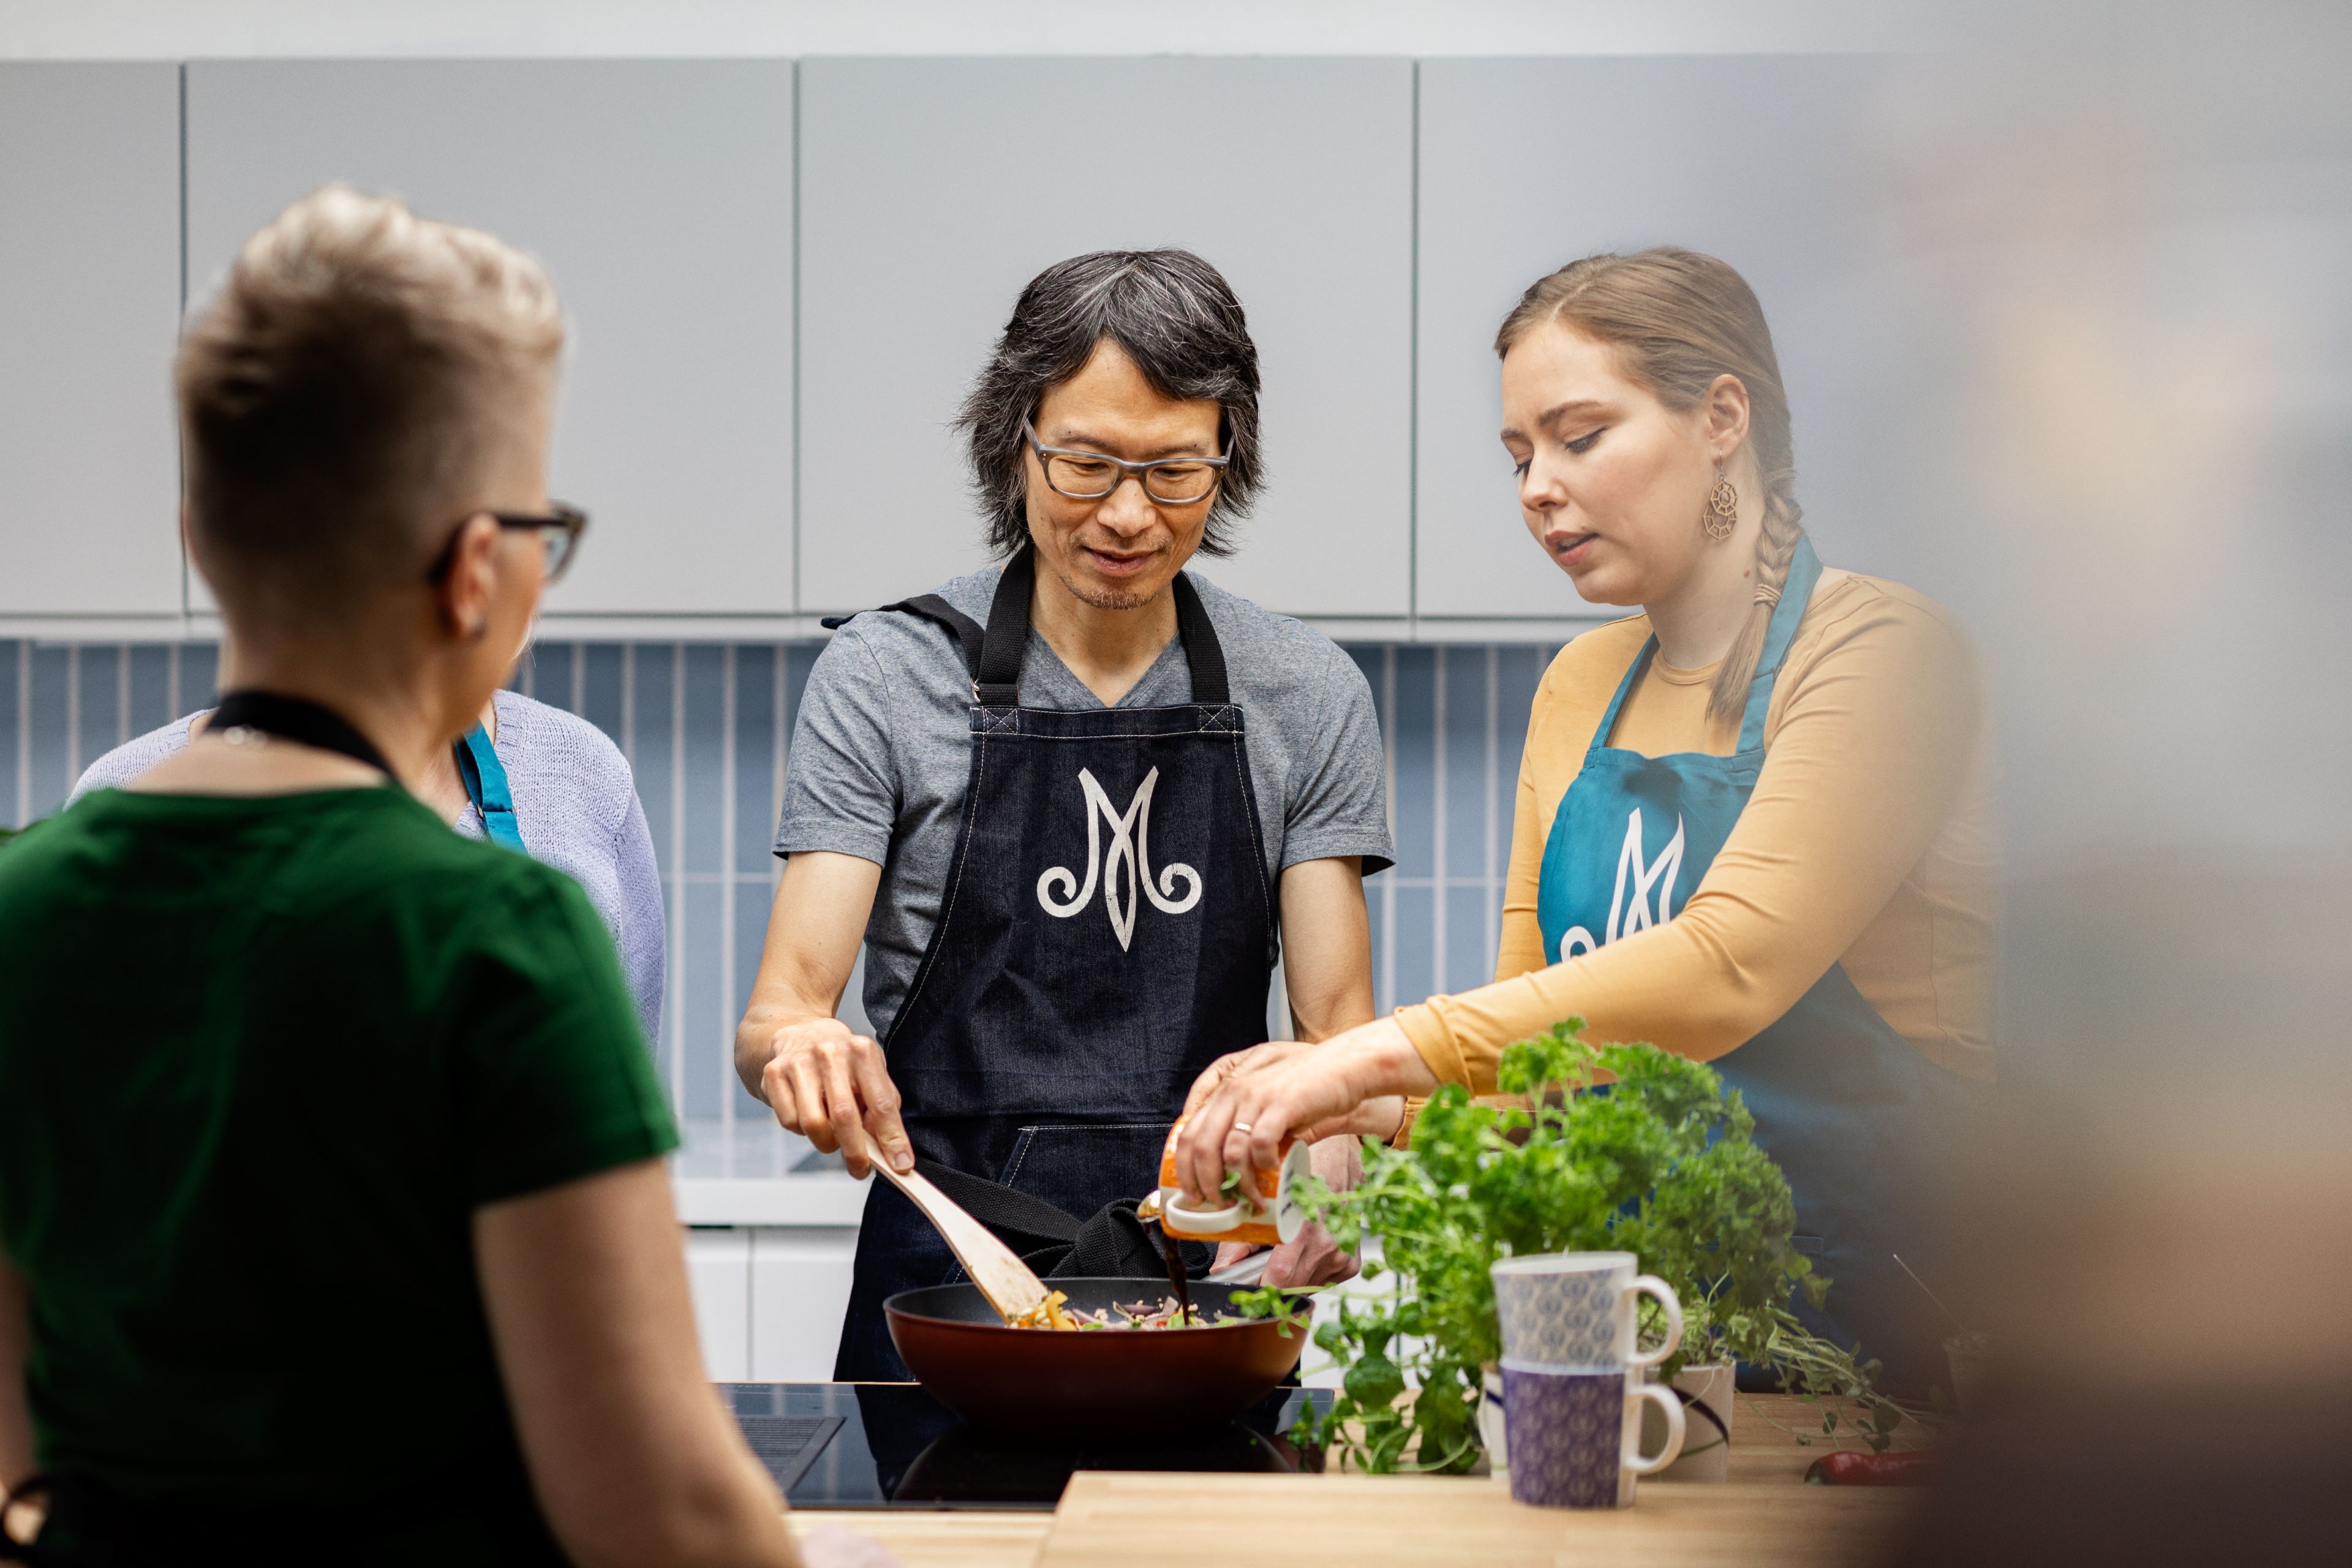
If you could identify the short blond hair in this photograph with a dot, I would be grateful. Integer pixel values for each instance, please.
(346, 392)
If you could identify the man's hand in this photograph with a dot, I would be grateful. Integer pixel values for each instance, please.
(821, 1080)
(824, 1081)
(1352, 1083)
(1311, 1258)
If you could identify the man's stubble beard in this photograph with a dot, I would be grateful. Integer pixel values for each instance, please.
(1105, 598)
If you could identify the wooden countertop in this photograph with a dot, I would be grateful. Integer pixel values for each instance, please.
(1764, 1515)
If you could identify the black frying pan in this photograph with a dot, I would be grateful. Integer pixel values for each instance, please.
(1114, 1382)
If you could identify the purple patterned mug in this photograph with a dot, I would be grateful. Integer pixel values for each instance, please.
(1575, 1437)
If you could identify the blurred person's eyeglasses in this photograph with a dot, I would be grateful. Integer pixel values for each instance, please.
(560, 526)
(1091, 475)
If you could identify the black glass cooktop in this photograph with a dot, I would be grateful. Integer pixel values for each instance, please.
(890, 1444)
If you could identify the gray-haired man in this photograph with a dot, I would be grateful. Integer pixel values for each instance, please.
(1073, 804)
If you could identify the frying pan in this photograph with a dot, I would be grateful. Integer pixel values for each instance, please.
(1112, 1382)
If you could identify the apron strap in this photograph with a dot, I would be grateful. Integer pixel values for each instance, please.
(1804, 571)
(485, 786)
(1608, 725)
(998, 679)
(296, 719)
(931, 607)
(1203, 652)
(998, 684)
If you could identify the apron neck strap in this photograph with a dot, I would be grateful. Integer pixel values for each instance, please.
(485, 786)
(997, 680)
(296, 719)
(1608, 725)
(1804, 571)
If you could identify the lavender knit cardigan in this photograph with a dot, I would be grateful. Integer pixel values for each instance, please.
(574, 801)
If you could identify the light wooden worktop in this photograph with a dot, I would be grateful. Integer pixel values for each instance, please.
(1764, 1515)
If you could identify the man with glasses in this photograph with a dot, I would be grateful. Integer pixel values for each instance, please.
(1077, 805)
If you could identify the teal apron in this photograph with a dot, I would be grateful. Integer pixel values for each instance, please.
(485, 786)
(1857, 1119)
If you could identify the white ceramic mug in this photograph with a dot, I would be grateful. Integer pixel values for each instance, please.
(1573, 1312)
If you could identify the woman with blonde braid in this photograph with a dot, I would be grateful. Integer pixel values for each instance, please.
(1750, 825)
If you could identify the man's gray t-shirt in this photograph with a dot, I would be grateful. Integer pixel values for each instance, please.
(881, 753)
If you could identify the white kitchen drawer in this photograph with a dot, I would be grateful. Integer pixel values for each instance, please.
(719, 1272)
(800, 1288)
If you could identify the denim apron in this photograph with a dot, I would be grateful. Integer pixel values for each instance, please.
(1857, 1118)
(1106, 930)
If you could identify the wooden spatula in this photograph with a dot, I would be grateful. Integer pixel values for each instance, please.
(1008, 1283)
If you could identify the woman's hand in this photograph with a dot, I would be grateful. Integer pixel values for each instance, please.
(1245, 1104)
(1311, 1258)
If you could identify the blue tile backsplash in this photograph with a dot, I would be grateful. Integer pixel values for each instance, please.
(706, 727)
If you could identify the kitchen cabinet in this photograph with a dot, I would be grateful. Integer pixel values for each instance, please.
(659, 193)
(90, 304)
(718, 1275)
(1768, 161)
(932, 189)
(799, 1293)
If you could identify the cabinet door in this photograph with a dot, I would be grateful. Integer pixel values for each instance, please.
(932, 189)
(718, 1273)
(659, 194)
(1761, 160)
(90, 305)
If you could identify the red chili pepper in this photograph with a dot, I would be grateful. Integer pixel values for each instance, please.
(1913, 1468)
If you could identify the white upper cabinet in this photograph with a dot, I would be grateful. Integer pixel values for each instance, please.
(932, 189)
(90, 305)
(659, 194)
(1761, 160)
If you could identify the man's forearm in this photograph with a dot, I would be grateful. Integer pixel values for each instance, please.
(1327, 947)
(815, 930)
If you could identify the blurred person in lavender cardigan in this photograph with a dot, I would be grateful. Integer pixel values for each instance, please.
(570, 801)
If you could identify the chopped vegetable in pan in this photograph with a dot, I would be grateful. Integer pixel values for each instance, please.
(1054, 1313)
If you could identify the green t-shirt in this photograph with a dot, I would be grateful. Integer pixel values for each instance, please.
(260, 1061)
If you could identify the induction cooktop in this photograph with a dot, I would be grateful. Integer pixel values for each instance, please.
(891, 1445)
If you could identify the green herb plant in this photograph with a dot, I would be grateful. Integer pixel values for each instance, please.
(1661, 1163)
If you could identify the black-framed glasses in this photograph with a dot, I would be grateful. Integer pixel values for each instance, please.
(560, 526)
(1091, 475)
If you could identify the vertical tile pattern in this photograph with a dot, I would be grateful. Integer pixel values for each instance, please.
(706, 727)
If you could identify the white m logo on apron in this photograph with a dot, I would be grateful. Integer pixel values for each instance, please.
(1130, 863)
(1631, 867)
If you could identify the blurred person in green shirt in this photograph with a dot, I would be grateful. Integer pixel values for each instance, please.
(333, 1225)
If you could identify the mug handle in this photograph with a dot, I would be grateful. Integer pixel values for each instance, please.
(1214, 1222)
(1663, 1294)
(1667, 1401)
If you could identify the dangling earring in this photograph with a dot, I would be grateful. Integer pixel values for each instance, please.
(1722, 513)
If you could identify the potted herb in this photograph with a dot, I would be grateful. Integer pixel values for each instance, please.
(1661, 1164)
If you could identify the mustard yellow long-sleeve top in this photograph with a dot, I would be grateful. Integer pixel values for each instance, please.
(1867, 842)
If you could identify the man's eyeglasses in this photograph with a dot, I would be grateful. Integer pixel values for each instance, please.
(560, 526)
(1090, 476)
